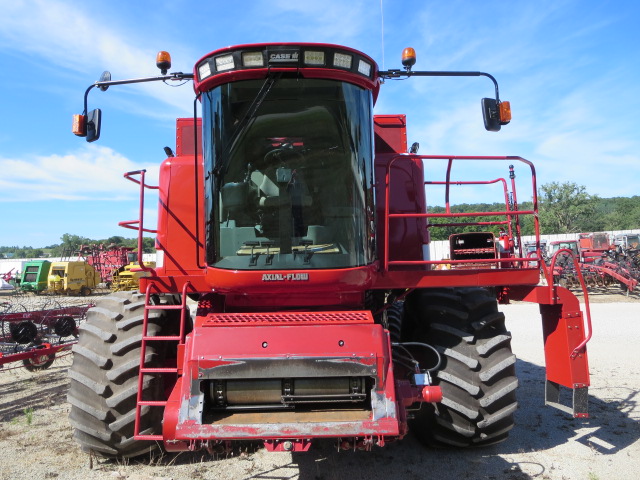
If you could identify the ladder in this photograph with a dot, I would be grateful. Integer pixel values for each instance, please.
(146, 338)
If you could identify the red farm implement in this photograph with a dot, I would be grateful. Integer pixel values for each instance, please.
(296, 220)
(601, 264)
(35, 337)
(107, 260)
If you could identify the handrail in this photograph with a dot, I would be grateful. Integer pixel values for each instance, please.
(554, 297)
(139, 224)
(509, 213)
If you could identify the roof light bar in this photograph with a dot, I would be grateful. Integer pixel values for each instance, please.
(364, 68)
(204, 70)
(342, 60)
(284, 56)
(312, 57)
(224, 63)
(252, 59)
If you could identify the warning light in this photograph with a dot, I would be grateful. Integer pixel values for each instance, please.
(505, 112)
(163, 62)
(79, 125)
(408, 58)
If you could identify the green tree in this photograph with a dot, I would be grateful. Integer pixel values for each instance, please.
(625, 214)
(70, 244)
(148, 245)
(116, 240)
(568, 208)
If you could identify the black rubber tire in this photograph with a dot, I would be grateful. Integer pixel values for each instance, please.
(477, 375)
(40, 363)
(393, 323)
(104, 375)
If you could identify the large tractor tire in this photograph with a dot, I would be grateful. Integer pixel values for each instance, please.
(104, 375)
(477, 374)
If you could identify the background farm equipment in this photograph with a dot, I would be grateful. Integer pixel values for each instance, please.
(603, 264)
(36, 332)
(128, 277)
(107, 260)
(7, 282)
(72, 278)
(35, 276)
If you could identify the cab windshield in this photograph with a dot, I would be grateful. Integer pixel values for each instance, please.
(289, 177)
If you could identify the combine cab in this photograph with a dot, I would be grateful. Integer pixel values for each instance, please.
(297, 221)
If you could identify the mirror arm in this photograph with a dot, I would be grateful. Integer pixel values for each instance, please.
(389, 74)
(176, 76)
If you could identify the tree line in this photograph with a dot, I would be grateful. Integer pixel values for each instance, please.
(563, 208)
(69, 246)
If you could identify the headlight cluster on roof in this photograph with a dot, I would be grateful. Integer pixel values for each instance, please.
(285, 57)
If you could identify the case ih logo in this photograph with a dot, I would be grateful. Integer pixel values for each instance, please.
(285, 277)
(284, 57)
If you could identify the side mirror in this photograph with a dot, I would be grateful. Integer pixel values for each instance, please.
(93, 125)
(495, 114)
(490, 114)
(105, 77)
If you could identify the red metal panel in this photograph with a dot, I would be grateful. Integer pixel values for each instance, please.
(210, 351)
(563, 330)
(363, 341)
(457, 278)
(177, 217)
(185, 139)
(285, 282)
(390, 133)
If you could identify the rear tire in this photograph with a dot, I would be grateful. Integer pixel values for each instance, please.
(104, 375)
(477, 374)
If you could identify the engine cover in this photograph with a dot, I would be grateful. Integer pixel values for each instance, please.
(277, 376)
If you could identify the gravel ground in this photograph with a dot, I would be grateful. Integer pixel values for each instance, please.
(36, 441)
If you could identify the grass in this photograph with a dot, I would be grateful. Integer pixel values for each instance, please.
(28, 415)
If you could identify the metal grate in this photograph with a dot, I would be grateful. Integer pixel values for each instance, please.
(287, 318)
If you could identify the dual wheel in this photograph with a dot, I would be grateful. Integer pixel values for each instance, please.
(477, 371)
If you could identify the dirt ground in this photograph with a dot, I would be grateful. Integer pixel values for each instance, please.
(36, 439)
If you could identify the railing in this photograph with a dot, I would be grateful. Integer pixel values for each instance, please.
(509, 216)
(548, 272)
(138, 224)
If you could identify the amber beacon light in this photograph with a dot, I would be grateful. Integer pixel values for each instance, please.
(408, 58)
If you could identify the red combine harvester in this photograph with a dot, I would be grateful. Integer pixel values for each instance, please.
(297, 220)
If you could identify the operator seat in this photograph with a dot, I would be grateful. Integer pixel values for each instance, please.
(270, 191)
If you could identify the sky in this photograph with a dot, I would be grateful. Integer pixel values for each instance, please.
(570, 69)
